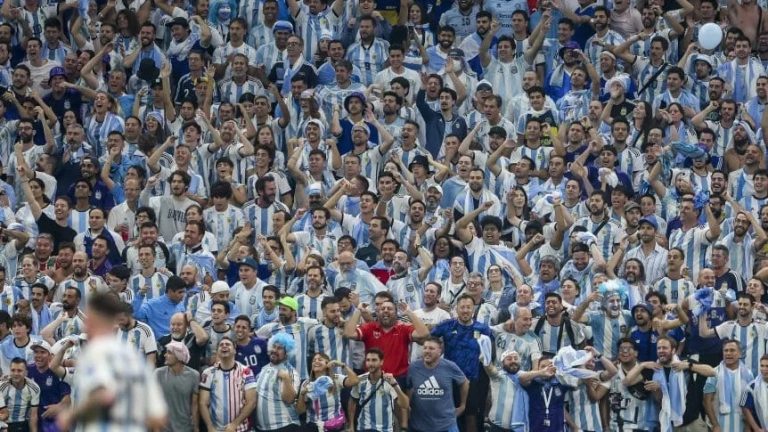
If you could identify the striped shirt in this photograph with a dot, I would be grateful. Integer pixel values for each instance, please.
(70, 326)
(733, 419)
(586, 413)
(221, 53)
(607, 331)
(9, 297)
(227, 389)
(230, 91)
(330, 340)
(116, 366)
(155, 287)
(645, 71)
(751, 338)
(654, 264)
(327, 405)
(507, 393)
(695, 244)
(247, 300)
(674, 289)
(140, 336)
(261, 218)
(311, 26)
(271, 412)
(268, 55)
(97, 131)
(222, 224)
(299, 330)
(309, 307)
(18, 401)
(369, 59)
(378, 413)
(741, 254)
(609, 235)
(528, 346)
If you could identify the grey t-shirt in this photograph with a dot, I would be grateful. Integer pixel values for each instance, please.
(178, 391)
(432, 404)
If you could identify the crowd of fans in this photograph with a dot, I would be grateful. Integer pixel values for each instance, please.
(390, 215)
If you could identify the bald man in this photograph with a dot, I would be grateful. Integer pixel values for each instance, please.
(186, 330)
(362, 282)
(81, 279)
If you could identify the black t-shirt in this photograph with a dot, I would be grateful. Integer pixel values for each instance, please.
(60, 234)
(196, 352)
(622, 110)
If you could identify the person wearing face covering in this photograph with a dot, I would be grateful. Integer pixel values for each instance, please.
(609, 324)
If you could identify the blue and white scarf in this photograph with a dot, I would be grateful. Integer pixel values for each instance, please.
(727, 388)
(673, 397)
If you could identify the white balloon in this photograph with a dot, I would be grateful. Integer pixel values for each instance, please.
(710, 35)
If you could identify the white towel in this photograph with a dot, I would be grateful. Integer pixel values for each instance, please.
(673, 397)
(730, 385)
(760, 397)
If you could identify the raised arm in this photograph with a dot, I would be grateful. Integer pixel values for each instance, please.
(462, 225)
(485, 46)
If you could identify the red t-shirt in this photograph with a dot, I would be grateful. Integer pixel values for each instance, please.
(394, 343)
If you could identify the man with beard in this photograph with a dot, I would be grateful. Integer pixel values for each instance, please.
(149, 281)
(609, 324)
(473, 39)
(645, 331)
(745, 330)
(407, 285)
(137, 334)
(319, 239)
(740, 180)
(170, 210)
(476, 199)
(39, 309)
(377, 234)
(555, 329)
(609, 232)
(277, 386)
(740, 248)
(262, 210)
(431, 385)
(158, 311)
(691, 236)
(81, 279)
(100, 194)
(723, 125)
(507, 409)
(333, 94)
(228, 392)
(68, 318)
(515, 335)
(315, 292)
(649, 252)
(217, 328)
(251, 351)
(604, 36)
(192, 251)
(328, 336)
(296, 328)
(148, 236)
(742, 72)
(239, 83)
(375, 396)
(364, 283)
(723, 391)
(677, 404)
(431, 314)
(147, 50)
(756, 105)
(186, 330)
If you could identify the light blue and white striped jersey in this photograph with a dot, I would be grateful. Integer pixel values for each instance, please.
(332, 95)
(261, 218)
(695, 244)
(741, 255)
(752, 204)
(654, 264)
(199, 257)
(9, 297)
(527, 345)
(97, 132)
(221, 54)
(723, 137)
(230, 91)
(23, 285)
(310, 27)
(108, 362)
(328, 405)
(607, 331)
(55, 54)
(549, 335)
(140, 336)
(222, 224)
(227, 389)
(612, 233)
(70, 326)
(309, 307)
(378, 413)
(155, 288)
(215, 336)
(18, 401)
(299, 331)
(644, 71)
(508, 397)
(674, 289)
(593, 50)
(370, 59)
(259, 35)
(268, 55)
(586, 413)
(408, 288)
(331, 341)
(271, 412)
(751, 338)
(247, 300)
(733, 419)
(78, 220)
(9, 350)
(482, 255)
(325, 246)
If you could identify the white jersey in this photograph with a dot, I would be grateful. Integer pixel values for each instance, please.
(271, 412)
(110, 364)
(222, 224)
(300, 333)
(140, 336)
